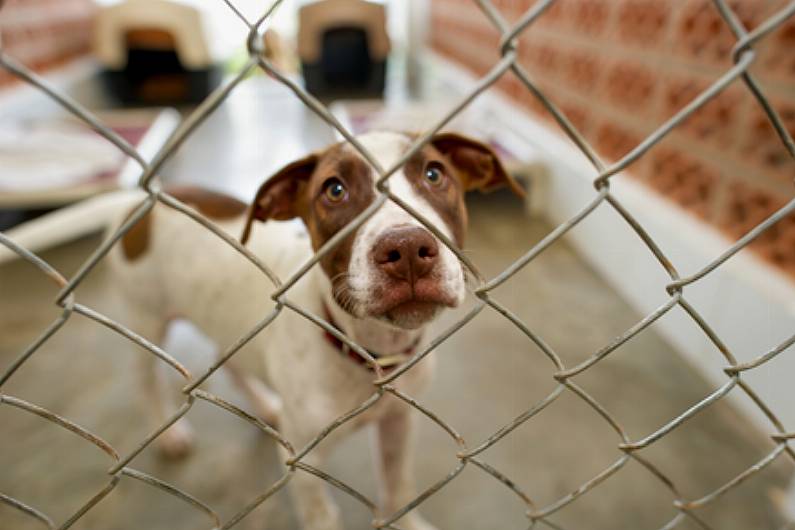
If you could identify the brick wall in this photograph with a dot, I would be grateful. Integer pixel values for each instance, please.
(44, 33)
(619, 68)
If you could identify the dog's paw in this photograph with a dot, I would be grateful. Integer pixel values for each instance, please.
(414, 521)
(322, 516)
(177, 441)
(268, 406)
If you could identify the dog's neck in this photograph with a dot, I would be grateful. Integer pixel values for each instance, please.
(369, 333)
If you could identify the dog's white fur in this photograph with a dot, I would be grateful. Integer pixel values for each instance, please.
(186, 272)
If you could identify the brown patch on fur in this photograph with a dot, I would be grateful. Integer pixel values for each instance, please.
(323, 219)
(447, 199)
(135, 242)
(209, 203)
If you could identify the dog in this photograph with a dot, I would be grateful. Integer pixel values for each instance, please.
(381, 285)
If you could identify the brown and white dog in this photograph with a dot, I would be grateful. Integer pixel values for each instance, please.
(381, 285)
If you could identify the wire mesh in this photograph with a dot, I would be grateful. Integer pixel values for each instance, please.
(743, 56)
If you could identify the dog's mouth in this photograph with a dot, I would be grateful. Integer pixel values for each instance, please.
(412, 314)
(410, 306)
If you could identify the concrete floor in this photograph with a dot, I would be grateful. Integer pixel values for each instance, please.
(488, 373)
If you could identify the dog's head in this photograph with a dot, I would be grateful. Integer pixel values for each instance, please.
(391, 268)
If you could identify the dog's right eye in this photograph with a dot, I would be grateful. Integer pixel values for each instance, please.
(334, 190)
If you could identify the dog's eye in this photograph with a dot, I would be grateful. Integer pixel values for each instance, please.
(434, 174)
(334, 190)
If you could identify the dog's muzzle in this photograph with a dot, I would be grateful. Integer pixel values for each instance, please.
(409, 291)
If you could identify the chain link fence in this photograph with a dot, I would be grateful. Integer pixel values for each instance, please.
(469, 452)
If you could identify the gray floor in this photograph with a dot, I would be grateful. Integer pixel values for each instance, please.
(488, 374)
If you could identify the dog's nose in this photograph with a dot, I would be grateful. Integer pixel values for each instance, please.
(406, 253)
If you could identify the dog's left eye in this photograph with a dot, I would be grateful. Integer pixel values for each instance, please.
(334, 190)
(434, 174)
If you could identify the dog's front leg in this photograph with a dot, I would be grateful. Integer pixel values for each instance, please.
(314, 505)
(267, 404)
(159, 391)
(395, 453)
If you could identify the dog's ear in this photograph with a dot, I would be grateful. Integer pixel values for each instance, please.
(476, 163)
(280, 196)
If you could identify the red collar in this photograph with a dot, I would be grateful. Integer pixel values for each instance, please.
(387, 362)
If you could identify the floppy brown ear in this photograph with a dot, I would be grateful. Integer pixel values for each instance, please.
(477, 164)
(280, 196)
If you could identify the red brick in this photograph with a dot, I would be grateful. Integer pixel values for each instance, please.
(509, 8)
(579, 115)
(533, 104)
(776, 57)
(589, 17)
(715, 122)
(554, 15)
(643, 21)
(52, 36)
(505, 84)
(631, 86)
(542, 59)
(583, 70)
(762, 145)
(5, 78)
(684, 179)
(703, 35)
(614, 141)
(747, 208)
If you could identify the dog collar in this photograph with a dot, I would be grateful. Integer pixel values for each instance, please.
(386, 362)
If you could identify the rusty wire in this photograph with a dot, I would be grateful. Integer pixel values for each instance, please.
(743, 56)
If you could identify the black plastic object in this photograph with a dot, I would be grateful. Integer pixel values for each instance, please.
(158, 77)
(345, 68)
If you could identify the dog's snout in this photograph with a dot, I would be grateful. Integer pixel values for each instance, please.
(406, 253)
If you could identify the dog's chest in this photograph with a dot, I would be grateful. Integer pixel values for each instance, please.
(319, 379)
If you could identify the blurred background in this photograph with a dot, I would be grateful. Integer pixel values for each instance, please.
(618, 69)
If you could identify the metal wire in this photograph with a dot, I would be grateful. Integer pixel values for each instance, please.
(743, 56)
